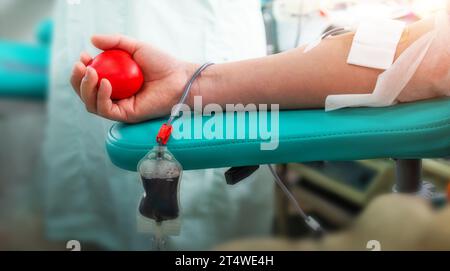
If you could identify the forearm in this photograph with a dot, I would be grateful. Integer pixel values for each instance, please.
(295, 79)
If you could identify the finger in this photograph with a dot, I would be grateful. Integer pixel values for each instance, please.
(104, 102)
(106, 42)
(89, 90)
(105, 106)
(78, 72)
(85, 58)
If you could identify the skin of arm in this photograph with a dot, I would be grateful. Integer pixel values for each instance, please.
(293, 79)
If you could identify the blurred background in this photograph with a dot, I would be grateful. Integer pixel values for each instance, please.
(335, 193)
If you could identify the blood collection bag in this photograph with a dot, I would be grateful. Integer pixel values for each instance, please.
(161, 175)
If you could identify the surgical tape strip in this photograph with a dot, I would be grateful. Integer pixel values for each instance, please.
(375, 43)
(391, 82)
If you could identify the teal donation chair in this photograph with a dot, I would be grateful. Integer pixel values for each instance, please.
(407, 133)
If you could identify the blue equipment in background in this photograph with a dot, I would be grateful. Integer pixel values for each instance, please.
(24, 67)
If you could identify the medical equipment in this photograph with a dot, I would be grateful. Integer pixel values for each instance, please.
(45, 31)
(329, 33)
(271, 28)
(161, 174)
(309, 220)
(238, 174)
(369, 49)
(121, 70)
(24, 67)
(355, 182)
(393, 84)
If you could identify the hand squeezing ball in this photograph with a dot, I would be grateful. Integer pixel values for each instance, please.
(121, 70)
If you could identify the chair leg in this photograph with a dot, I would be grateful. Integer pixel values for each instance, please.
(409, 181)
(409, 176)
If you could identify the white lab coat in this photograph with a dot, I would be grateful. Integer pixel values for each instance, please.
(89, 199)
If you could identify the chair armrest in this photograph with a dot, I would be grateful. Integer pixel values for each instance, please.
(409, 131)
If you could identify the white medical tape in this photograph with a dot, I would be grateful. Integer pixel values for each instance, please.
(375, 43)
(391, 82)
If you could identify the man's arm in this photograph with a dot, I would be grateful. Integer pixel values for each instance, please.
(295, 79)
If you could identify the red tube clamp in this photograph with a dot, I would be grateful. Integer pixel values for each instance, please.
(164, 134)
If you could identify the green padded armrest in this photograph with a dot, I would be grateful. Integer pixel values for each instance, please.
(23, 70)
(418, 130)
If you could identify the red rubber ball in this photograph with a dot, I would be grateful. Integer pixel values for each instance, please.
(121, 70)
